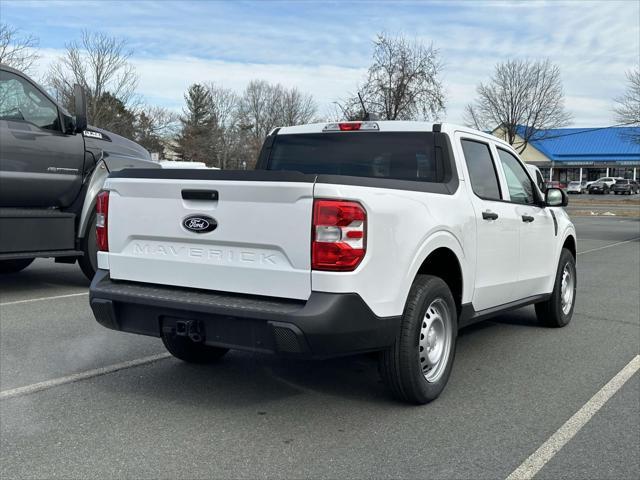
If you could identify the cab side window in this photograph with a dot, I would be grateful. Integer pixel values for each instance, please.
(21, 101)
(482, 172)
(518, 182)
(539, 180)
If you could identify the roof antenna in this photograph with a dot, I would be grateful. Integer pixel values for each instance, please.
(364, 109)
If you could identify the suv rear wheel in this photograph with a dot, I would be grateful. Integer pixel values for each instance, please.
(558, 309)
(416, 368)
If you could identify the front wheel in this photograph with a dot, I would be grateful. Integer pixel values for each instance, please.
(14, 266)
(558, 309)
(417, 366)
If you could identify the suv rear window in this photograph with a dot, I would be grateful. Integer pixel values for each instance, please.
(392, 155)
(622, 182)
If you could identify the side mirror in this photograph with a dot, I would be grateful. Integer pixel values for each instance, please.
(68, 124)
(556, 197)
(80, 104)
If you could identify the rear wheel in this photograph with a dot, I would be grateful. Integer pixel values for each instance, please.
(417, 367)
(89, 261)
(13, 266)
(558, 309)
(189, 351)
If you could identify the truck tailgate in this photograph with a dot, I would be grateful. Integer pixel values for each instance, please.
(260, 246)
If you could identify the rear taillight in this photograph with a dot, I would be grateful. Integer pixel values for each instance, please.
(102, 221)
(339, 235)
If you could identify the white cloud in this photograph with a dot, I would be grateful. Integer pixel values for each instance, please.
(323, 48)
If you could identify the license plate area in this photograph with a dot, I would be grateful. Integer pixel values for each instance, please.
(221, 330)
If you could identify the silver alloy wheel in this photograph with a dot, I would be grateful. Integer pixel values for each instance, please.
(567, 289)
(435, 340)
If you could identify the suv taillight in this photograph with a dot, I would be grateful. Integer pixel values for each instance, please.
(102, 221)
(338, 236)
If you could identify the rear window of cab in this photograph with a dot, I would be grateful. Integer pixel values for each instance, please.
(390, 155)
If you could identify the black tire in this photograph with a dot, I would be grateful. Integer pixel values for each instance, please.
(550, 312)
(14, 266)
(401, 365)
(191, 352)
(89, 261)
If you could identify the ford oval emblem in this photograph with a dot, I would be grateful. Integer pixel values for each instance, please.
(199, 223)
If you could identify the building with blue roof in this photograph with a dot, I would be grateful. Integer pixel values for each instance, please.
(566, 154)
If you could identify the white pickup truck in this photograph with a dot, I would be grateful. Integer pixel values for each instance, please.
(348, 237)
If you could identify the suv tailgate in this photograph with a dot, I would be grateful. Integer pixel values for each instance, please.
(261, 244)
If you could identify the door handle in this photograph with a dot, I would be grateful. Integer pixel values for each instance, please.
(200, 195)
(489, 216)
(527, 218)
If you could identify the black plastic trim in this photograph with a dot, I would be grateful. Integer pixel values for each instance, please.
(326, 325)
(208, 174)
(555, 222)
(468, 315)
(42, 254)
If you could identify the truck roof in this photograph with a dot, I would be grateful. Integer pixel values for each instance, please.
(394, 126)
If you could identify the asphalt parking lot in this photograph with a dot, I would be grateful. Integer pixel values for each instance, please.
(252, 416)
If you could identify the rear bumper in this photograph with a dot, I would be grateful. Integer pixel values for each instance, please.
(326, 325)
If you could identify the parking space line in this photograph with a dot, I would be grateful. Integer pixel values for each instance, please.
(608, 246)
(96, 372)
(566, 432)
(43, 298)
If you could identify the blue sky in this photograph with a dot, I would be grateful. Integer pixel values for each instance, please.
(324, 47)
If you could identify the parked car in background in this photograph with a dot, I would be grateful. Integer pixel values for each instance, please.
(52, 166)
(577, 187)
(555, 184)
(625, 187)
(599, 187)
(609, 181)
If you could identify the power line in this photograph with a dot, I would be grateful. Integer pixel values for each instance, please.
(587, 130)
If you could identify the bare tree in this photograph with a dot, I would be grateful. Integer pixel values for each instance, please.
(17, 50)
(264, 106)
(627, 108)
(224, 112)
(294, 107)
(522, 98)
(100, 64)
(403, 82)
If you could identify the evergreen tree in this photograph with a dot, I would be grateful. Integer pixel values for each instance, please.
(147, 136)
(196, 141)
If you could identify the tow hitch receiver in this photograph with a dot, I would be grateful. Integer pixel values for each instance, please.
(187, 328)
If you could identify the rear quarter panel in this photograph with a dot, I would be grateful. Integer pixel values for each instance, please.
(403, 228)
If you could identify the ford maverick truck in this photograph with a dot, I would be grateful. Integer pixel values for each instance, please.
(349, 237)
